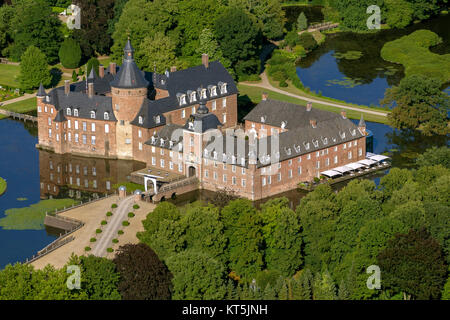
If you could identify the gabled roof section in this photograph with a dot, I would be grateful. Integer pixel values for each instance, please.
(149, 112)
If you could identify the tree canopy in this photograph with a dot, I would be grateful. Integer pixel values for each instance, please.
(34, 69)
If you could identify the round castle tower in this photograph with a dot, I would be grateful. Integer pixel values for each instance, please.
(128, 90)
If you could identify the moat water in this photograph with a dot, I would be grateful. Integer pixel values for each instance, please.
(25, 168)
(364, 80)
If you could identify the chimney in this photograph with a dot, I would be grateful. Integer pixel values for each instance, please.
(90, 89)
(313, 123)
(101, 71)
(173, 68)
(66, 87)
(112, 68)
(309, 106)
(265, 95)
(205, 60)
(343, 114)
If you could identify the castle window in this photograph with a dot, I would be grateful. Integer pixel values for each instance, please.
(128, 141)
(243, 182)
(93, 127)
(360, 152)
(335, 159)
(84, 126)
(141, 120)
(213, 104)
(203, 94)
(39, 109)
(224, 118)
(49, 121)
(75, 112)
(92, 114)
(140, 133)
(106, 128)
(214, 91)
(93, 140)
(193, 97)
(84, 139)
(182, 99)
(223, 88)
(193, 110)
(76, 137)
(224, 102)
(349, 155)
(69, 112)
(106, 116)
(157, 119)
(183, 113)
(49, 133)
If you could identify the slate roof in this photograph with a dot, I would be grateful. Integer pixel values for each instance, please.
(149, 111)
(129, 75)
(202, 120)
(166, 134)
(80, 101)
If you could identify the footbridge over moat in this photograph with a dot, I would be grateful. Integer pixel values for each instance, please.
(171, 190)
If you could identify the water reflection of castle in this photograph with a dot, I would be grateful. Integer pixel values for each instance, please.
(66, 175)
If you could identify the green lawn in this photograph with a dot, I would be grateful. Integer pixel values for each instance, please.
(23, 106)
(131, 186)
(2, 186)
(254, 93)
(9, 74)
(32, 217)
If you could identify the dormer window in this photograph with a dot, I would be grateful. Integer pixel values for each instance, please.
(162, 142)
(315, 143)
(158, 119)
(170, 143)
(69, 112)
(193, 97)
(223, 87)
(263, 119)
(203, 94)
(75, 112)
(191, 125)
(283, 124)
(106, 116)
(342, 135)
(140, 120)
(306, 145)
(153, 139)
(92, 114)
(213, 91)
(182, 99)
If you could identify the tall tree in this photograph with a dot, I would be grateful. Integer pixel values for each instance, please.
(399, 13)
(142, 275)
(238, 34)
(197, 276)
(6, 14)
(93, 35)
(70, 53)
(435, 156)
(302, 21)
(420, 104)
(34, 69)
(35, 24)
(156, 51)
(413, 264)
(324, 287)
(208, 44)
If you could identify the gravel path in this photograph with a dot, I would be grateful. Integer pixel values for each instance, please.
(113, 226)
(266, 85)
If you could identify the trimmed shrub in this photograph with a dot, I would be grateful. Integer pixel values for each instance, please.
(93, 239)
(103, 222)
(109, 250)
(109, 214)
(114, 205)
(98, 231)
(136, 206)
(87, 248)
(307, 40)
(120, 232)
(125, 223)
(130, 214)
(70, 53)
(115, 240)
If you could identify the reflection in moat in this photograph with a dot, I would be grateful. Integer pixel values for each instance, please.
(83, 178)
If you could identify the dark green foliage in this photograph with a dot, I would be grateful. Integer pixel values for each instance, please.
(243, 230)
(143, 275)
(282, 66)
(74, 76)
(93, 63)
(413, 263)
(324, 287)
(238, 35)
(70, 53)
(34, 69)
(292, 38)
(197, 276)
(93, 35)
(34, 24)
(99, 277)
(435, 156)
(302, 286)
(302, 22)
(420, 104)
(307, 41)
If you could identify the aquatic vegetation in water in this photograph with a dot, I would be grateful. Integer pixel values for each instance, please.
(22, 199)
(388, 71)
(349, 55)
(32, 217)
(345, 82)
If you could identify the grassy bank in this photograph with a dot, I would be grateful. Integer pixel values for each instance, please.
(9, 74)
(412, 51)
(23, 106)
(254, 94)
(32, 217)
(2, 186)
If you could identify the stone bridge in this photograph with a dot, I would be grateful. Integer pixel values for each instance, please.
(19, 116)
(171, 190)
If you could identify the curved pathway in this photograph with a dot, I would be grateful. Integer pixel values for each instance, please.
(266, 85)
(113, 226)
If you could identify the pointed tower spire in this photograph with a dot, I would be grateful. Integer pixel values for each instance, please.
(41, 92)
(362, 123)
(92, 74)
(128, 51)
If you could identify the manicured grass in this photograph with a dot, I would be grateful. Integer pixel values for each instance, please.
(32, 217)
(412, 51)
(9, 74)
(131, 186)
(254, 93)
(23, 106)
(2, 186)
